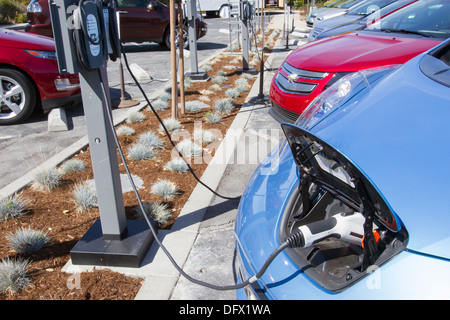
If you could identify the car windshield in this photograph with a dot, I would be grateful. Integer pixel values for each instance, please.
(369, 7)
(347, 4)
(333, 4)
(429, 18)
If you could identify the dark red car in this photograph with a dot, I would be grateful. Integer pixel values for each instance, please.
(395, 39)
(29, 77)
(140, 21)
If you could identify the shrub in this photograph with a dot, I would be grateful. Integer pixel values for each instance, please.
(160, 105)
(215, 87)
(13, 275)
(189, 148)
(140, 152)
(224, 106)
(171, 124)
(213, 117)
(194, 106)
(241, 85)
(204, 136)
(166, 96)
(232, 93)
(177, 165)
(125, 131)
(26, 240)
(72, 165)
(151, 140)
(157, 211)
(12, 207)
(165, 189)
(47, 179)
(219, 79)
(85, 197)
(135, 117)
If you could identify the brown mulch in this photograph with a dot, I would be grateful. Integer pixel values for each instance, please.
(55, 213)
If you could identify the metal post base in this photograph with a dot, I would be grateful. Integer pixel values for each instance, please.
(248, 70)
(197, 76)
(93, 249)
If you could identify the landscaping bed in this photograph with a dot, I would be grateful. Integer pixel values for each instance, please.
(60, 219)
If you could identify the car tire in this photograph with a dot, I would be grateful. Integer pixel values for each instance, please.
(17, 96)
(166, 38)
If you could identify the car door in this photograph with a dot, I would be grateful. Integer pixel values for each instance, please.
(142, 20)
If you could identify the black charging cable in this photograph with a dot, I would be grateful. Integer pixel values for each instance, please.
(168, 134)
(294, 240)
(290, 242)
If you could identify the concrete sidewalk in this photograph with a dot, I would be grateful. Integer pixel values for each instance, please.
(202, 239)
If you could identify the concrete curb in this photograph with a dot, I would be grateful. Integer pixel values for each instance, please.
(160, 275)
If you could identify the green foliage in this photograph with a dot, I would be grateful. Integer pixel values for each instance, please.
(12, 11)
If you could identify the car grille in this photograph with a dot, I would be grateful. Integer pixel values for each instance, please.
(298, 81)
(283, 115)
(314, 33)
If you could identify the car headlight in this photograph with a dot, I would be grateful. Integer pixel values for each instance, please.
(34, 7)
(339, 94)
(42, 54)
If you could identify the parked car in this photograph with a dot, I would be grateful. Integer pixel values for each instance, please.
(332, 9)
(355, 201)
(29, 77)
(395, 39)
(140, 21)
(356, 18)
(211, 7)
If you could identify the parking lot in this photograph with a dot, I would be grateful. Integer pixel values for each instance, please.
(27, 145)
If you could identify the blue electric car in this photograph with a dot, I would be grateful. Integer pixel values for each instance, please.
(357, 196)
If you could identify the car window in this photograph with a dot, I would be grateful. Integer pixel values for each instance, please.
(430, 18)
(369, 7)
(133, 3)
(348, 4)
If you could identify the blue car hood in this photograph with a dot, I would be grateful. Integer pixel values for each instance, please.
(338, 21)
(399, 138)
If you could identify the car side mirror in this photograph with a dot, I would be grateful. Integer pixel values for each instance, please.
(152, 5)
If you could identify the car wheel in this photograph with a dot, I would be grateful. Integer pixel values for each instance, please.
(224, 11)
(17, 96)
(166, 39)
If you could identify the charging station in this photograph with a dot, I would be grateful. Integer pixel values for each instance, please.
(190, 12)
(86, 35)
(245, 16)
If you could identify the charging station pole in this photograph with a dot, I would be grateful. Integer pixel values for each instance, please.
(191, 15)
(244, 16)
(111, 240)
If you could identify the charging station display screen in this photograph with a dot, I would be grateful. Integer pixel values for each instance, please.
(93, 32)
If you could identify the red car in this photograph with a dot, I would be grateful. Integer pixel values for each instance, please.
(29, 77)
(395, 39)
(140, 21)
